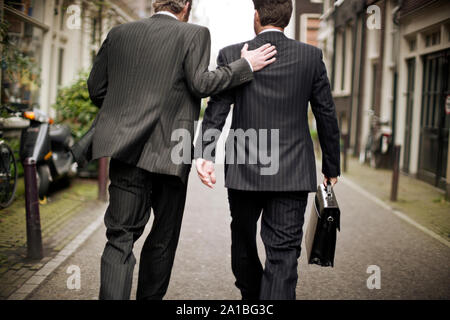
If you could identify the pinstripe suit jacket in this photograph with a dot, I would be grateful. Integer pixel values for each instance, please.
(148, 79)
(278, 98)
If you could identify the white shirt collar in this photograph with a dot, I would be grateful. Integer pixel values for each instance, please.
(269, 30)
(167, 13)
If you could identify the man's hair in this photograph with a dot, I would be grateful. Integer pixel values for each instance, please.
(276, 13)
(175, 6)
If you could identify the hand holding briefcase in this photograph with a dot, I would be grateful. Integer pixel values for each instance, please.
(320, 238)
(82, 150)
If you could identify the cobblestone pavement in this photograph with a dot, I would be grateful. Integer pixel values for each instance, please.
(413, 265)
(417, 199)
(64, 216)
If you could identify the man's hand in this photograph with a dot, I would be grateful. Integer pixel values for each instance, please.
(332, 180)
(261, 57)
(206, 172)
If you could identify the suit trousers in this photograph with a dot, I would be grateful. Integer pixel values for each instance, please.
(133, 193)
(281, 231)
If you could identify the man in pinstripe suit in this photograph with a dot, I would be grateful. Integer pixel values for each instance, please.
(148, 79)
(276, 102)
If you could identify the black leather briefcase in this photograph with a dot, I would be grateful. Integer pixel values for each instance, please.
(320, 238)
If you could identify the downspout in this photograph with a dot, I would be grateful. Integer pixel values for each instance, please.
(357, 148)
(395, 19)
(333, 75)
(381, 62)
(350, 122)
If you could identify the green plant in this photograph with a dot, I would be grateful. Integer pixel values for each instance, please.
(18, 67)
(74, 107)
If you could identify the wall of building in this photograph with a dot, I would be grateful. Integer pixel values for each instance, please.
(304, 11)
(414, 25)
(65, 48)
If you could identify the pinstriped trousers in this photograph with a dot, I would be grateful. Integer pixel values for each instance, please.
(281, 231)
(133, 193)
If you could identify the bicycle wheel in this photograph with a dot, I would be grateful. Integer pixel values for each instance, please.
(8, 176)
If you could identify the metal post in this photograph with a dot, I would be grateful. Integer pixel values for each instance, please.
(345, 152)
(34, 236)
(396, 173)
(102, 179)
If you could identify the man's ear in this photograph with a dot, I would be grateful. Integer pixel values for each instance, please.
(257, 16)
(186, 11)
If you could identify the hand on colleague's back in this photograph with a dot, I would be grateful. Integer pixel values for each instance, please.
(261, 57)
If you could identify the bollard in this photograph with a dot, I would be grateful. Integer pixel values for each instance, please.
(102, 179)
(34, 236)
(345, 137)
(396, 173)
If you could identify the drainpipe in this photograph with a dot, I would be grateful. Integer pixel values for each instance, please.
(357, 148)
(396, 22)
(333, 75)
(355, 45)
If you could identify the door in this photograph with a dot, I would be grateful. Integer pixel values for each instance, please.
(411, 65)
(435, 122)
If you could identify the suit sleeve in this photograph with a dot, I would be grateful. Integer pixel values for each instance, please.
(204, 83)
(216, 114)
(98, 78)
(327, 124)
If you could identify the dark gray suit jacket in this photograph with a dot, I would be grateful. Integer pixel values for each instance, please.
(278, 98)
(148, 79)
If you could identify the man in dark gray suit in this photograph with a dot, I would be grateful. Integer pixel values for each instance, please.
(270, 122)
(147, 80)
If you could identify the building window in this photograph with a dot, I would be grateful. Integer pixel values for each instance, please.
(338, 70)
(433, 39)
(309, 28)
(374, 84)
(94, 31)
(342, 73)
(312, 30)
(412, 44)
(60, 66)
(411, 66)
(447, 28)
(344, 49)
(435, 123)
(22, 61)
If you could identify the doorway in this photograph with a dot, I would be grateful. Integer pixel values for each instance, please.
(435, 122)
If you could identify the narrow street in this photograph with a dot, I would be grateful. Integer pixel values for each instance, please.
(413, 265)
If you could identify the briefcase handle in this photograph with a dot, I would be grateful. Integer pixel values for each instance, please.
(329, 190)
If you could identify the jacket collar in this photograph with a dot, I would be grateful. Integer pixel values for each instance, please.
(271, 36)
(163, 16)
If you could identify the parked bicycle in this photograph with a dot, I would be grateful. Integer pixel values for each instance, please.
(8, 162)
(378, 150)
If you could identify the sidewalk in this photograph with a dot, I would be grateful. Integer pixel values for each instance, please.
(420, 201)
(413, 265)
(65, 215)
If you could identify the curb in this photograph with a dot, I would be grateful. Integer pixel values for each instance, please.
(399, 214)
(31, 284)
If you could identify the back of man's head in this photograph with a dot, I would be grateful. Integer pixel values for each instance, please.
(275, 13)
(174, 6)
